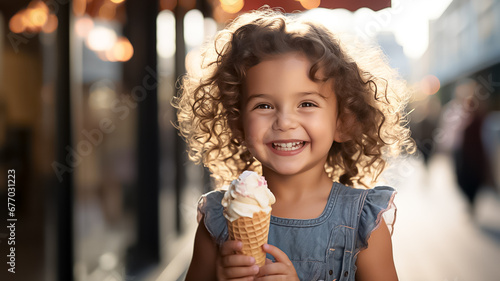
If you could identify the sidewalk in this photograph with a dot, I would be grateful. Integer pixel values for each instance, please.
(435, 237)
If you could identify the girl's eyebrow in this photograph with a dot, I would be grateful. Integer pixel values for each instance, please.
(313, 93)
(258, 96)
(301, 94)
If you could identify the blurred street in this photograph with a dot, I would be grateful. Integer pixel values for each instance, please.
(435, 237)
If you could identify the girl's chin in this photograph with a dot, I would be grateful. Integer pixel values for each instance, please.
(282, 171)
(292, 168)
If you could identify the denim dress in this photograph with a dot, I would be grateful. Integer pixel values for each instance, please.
(324, 248)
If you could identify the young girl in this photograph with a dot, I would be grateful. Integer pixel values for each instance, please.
(282, 96)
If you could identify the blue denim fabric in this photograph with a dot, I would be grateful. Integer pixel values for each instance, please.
(324, 248)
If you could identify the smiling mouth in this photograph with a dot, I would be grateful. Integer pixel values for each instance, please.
(288, 146)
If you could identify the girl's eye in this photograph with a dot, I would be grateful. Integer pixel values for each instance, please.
(263, 106)
(307, 104)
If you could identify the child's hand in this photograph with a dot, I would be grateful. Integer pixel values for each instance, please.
(232, 266)
(282, 269)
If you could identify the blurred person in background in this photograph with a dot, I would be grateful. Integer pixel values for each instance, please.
(424, 120)
(491, 142)
(460, 135)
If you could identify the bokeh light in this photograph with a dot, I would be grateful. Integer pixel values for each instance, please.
(51, 24)
(430, 85)
(30, 26)
(101, 39)
(165, 34)
(122, 50)
(310, 4)
(232, 6)
(194, 28)
(37, 17)
(83, 26)
(16, 23)
(33, 19)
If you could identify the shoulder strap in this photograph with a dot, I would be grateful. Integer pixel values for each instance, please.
(349, 255)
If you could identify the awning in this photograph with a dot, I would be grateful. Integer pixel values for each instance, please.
(294, 5)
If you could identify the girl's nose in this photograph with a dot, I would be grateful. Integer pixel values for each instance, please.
(284, 121)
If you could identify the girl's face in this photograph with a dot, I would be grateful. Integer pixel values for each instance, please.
(289, 121)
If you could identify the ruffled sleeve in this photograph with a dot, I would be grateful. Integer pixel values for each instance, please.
(379, 202)
(210, 209)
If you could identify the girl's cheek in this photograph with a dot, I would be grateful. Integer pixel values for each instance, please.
(250, 139)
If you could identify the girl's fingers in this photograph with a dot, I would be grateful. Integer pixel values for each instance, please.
(241, 272)
(282, 269)
(235, 266)
(268, 261)
(230, 247)
(237, 260)
(278, 254)
(273, 269)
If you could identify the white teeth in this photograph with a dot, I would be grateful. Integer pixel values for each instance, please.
(289, 146)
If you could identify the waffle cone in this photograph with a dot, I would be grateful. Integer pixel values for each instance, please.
(252, 232)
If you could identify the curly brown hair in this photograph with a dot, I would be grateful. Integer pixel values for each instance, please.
(371, 97)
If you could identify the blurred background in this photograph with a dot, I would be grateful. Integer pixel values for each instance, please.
(103, 189)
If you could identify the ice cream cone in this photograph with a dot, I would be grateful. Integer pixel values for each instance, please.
(247, 208)
(252, 232)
